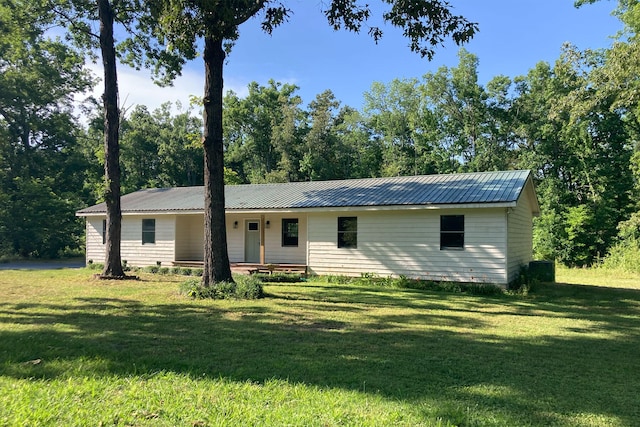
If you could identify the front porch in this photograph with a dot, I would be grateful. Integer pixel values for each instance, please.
(251, 268)
(254, 242)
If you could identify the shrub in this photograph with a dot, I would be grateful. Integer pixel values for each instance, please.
(164, 270)
(623, 256)
(151, 269)
(176, 270)
(341, 280)
(249, 287)
(279, 277)
(246, 288)
(95, 266)
(187, 271)
(524, 283)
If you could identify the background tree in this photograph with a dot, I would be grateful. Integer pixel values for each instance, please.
(159, 149)
(262, 132)
(79, 18)
(580, 153)
(41, 170)
(425, 22)
(324, 154)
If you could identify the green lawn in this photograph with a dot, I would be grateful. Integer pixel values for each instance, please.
(78, 351)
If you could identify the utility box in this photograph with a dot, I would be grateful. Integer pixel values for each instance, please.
(544, 271)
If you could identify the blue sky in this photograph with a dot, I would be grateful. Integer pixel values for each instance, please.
(514, 35)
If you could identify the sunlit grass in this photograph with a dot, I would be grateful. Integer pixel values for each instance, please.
(598, 277)
(80, 351)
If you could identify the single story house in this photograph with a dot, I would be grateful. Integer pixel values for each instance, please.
(467, 227)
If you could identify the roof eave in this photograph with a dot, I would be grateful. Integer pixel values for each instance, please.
(317, 209)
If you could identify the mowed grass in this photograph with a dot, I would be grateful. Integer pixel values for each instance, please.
(79, 351)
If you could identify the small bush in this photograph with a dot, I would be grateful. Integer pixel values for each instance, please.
(197, 272)
(279, 277)
(245, 288)
(187, 271)
(164, 270)
(151, 269)
(623, 257)
(176, 270)
(341, 280)
(404, 282)
(524, 283)
(483, 289)
(95, 266)
(249, 287)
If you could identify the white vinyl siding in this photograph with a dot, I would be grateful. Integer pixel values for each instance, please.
(135, 253)
(235, 236)
(131, 249)
(275, 253)
(190, 237)
(519, 237)
(95, 250)
(408, 243)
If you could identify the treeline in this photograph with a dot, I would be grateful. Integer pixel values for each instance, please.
(555, 121)
(574, 123)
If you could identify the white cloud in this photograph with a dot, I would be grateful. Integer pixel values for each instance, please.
(137, 88)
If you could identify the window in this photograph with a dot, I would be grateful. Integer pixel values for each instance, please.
(290, 232)
(104, 231)
(148, 231)
(451, 231)
(347, 232)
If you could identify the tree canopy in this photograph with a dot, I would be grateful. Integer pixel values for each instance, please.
(574, 123)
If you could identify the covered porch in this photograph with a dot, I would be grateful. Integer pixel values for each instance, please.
(255, 241)
(250, 268)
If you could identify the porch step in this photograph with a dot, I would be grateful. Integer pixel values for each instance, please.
(196, 264)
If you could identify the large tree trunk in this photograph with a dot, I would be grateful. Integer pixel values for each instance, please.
(112, 262)
(216, 257)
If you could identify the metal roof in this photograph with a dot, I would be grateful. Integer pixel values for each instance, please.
(451, 189)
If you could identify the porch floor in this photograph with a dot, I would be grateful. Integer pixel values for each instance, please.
(250, 268)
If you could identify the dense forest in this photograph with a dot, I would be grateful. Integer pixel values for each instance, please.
(575, 123)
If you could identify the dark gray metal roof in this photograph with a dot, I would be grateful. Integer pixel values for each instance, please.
(451, 189)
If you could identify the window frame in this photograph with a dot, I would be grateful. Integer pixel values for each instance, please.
(149, 235)
(452, 233)
(286, 234)
(347, 239)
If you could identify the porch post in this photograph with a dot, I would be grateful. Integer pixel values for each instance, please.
(262, 257)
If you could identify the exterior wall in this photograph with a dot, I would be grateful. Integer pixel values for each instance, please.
(408, 243)
(235, 236)
(519, 237)
(190, 237)
(132, 250)
(274, 251)
(163, 250)
(95, 250)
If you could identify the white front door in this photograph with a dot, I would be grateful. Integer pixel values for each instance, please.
(252, 241)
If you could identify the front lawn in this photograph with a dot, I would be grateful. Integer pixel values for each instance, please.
(77, 351)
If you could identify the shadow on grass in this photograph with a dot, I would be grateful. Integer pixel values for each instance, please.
(303, 335)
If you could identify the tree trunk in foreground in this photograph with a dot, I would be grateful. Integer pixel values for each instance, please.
(112, 262)
(216, 257)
